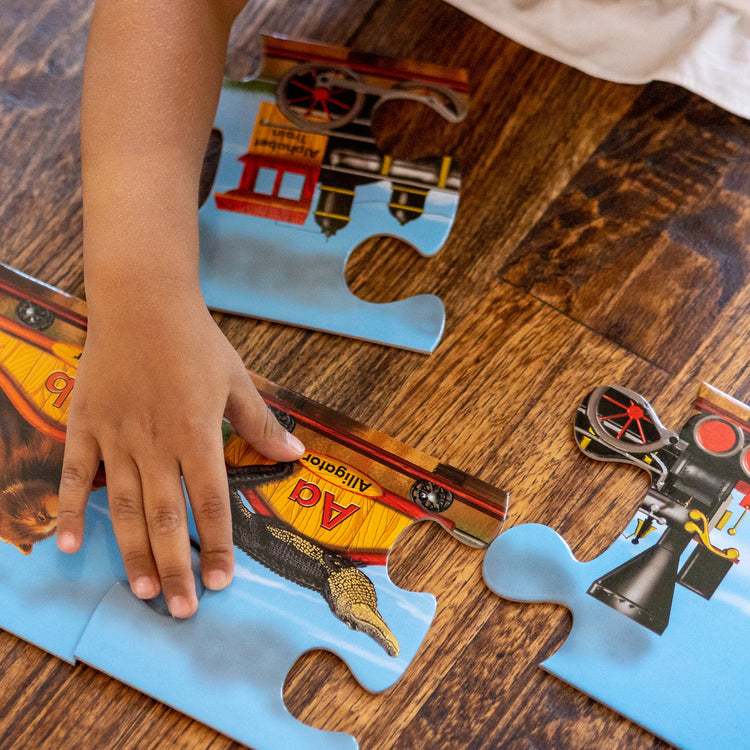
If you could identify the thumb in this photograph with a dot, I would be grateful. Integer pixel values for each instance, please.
(256, 423)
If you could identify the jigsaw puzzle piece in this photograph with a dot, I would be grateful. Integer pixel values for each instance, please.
(543, 566)
(532, 563)
(686, 686)
(297, 190)
(312, 538)
(289, 595)
(659, 617)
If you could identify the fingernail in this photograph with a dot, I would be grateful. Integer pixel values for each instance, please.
(216, 580)
(180, 607)
(66, 542)
(295, 443)
(145, 588)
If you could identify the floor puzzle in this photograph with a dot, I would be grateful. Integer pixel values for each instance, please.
(300, 183)
(312, 538)
(659, 619)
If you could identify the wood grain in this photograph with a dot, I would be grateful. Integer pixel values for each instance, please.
(602, 235)
(646, 244)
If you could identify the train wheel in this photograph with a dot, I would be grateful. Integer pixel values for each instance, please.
(287, 421)
(624, 421)
(34, 316)
(431, 497)
(445, 101)
(319, 97)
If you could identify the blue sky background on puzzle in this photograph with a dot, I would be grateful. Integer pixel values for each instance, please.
(227, 664)
(48, 598)
(248, 243)
(688, 685)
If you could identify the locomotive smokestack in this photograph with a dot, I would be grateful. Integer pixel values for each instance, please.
(642, 588)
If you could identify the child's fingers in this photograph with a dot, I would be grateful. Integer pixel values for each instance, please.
(166, 520)
(80, 463)
(206, 482)
(124, 495)
(254, 421)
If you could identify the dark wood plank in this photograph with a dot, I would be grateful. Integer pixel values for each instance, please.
(650, 240)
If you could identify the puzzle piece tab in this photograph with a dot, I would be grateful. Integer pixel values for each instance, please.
(301, 183)
(658, 619)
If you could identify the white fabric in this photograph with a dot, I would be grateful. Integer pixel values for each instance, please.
(703, 45)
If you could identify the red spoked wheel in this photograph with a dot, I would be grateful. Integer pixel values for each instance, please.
(319, 97)
(623, 420)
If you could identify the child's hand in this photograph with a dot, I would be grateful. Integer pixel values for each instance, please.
(153, 384)
(156, 374)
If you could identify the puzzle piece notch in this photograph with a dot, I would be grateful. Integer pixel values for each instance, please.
(290, 207)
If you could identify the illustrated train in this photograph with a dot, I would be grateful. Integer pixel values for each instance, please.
(697, 474)
(317, 133)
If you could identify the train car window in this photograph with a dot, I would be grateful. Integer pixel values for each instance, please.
(265, 181)
(291, 186)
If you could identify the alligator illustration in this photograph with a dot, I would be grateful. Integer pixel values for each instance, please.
(282, 549)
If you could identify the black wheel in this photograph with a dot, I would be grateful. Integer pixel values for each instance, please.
(34, 316)
(623, 420)
(310, 96)
(430, 496)
(287, 421)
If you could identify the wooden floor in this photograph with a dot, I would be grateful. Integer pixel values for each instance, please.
(603, 235)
